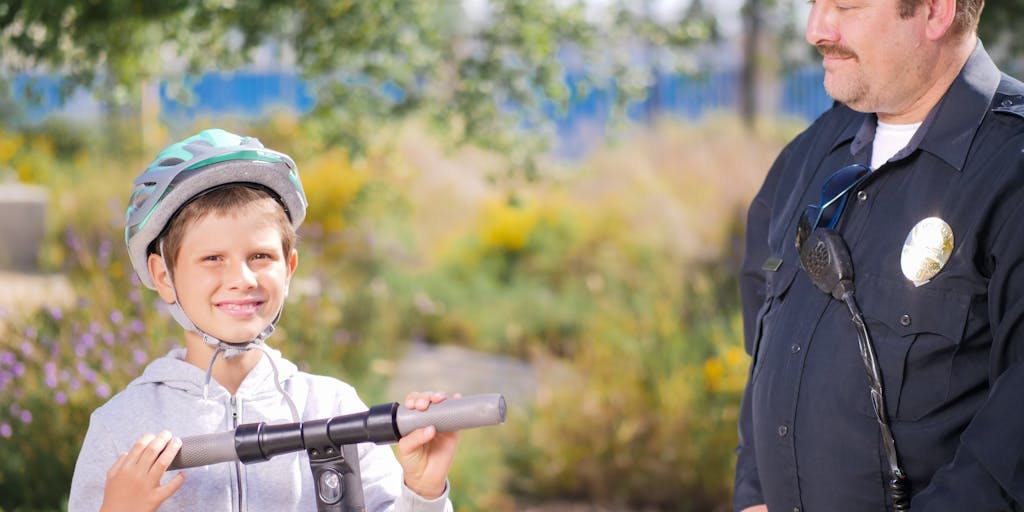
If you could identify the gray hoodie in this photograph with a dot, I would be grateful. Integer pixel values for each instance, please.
(169, 396)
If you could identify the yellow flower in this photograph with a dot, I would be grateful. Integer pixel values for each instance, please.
(9, 146)
(714, 371)
(728, 372)
(507, 226)
(333, 183)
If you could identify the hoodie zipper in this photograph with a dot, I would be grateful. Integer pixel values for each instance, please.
(236, 414)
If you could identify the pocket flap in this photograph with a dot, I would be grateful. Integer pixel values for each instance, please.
(909, 310)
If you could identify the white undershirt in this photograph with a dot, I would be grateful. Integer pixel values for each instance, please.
(889, 139)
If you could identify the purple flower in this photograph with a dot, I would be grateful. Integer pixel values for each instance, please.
(50, 369)
(60, 397)
(30, 332)
(7, 358)
(84, 343)
(108, 338)
(5, 430)
(137, 326)
(116, 316)
(26, 417)
(74, 385)
(139, 356)
(74, 243)
(55, 313)
(94, 327)
(104, 253)
(102, 390)
(106, 362)
(162, 309)
(15, 409)
(85, 372)
(19, 369)
(26, 348)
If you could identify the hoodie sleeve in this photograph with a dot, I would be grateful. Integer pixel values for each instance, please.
(383, 486)
(97, 455)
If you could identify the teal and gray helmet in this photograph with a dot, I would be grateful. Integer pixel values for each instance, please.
(188, 169)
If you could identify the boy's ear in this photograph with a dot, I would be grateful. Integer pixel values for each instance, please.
(161, 277)
(293, 261)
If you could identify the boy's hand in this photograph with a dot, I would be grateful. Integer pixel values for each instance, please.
(425, 454)
(133, 482)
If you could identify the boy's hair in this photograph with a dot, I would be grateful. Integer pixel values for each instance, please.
(221, 200)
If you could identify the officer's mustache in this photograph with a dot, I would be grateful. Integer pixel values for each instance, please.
(835, 51)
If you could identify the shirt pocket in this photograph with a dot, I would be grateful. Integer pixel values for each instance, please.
(777, 283)
(915, 332)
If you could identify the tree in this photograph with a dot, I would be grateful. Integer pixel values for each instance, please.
(999, 28)
(485, 79)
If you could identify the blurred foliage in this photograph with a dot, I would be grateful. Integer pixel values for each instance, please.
(485, 77)
(615, 279)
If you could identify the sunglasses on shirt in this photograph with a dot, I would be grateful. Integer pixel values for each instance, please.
(834, 193)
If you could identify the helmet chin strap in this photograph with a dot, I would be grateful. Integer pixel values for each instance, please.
(229, 349)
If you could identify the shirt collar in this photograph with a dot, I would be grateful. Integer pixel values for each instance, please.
(947, 131)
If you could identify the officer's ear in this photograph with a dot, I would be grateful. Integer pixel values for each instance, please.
(939, 16)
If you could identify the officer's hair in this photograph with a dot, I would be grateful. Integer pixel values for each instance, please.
(968, 12)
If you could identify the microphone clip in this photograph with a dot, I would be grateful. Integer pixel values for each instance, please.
(826, 259)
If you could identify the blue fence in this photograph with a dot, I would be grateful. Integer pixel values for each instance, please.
(254, 93)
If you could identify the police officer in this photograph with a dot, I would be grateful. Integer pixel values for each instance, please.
(934, 221)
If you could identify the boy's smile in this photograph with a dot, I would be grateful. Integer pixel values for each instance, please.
(240, 308)
(231, 274)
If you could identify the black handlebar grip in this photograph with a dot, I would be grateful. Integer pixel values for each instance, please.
(205, 449)
(454, 414)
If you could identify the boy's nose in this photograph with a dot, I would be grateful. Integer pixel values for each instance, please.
(241, 276)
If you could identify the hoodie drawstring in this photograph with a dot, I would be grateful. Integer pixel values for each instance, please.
(273, 366)
(277, 383)
(209, 372)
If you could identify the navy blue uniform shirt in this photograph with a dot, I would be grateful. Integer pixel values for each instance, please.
(951, 351)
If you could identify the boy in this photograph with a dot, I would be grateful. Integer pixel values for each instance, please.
(211, 227)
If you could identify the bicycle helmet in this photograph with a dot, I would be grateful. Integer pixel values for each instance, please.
(187, 169)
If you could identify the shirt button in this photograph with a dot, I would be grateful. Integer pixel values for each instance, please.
(905, 320)
(1007, 103)
(796, 509)
(862, 196)
(783, 430)
(795, 348)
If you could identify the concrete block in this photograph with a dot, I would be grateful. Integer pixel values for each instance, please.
(22, 226)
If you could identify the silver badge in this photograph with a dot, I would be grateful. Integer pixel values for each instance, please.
(926, 250)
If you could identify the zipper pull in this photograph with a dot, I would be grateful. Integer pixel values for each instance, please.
(236, 411)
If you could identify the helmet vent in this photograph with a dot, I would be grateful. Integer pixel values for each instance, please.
(170, 161)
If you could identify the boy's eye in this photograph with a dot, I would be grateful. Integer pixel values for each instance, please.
(261, 256)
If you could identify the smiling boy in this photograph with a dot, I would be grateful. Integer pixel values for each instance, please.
(211, 227)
